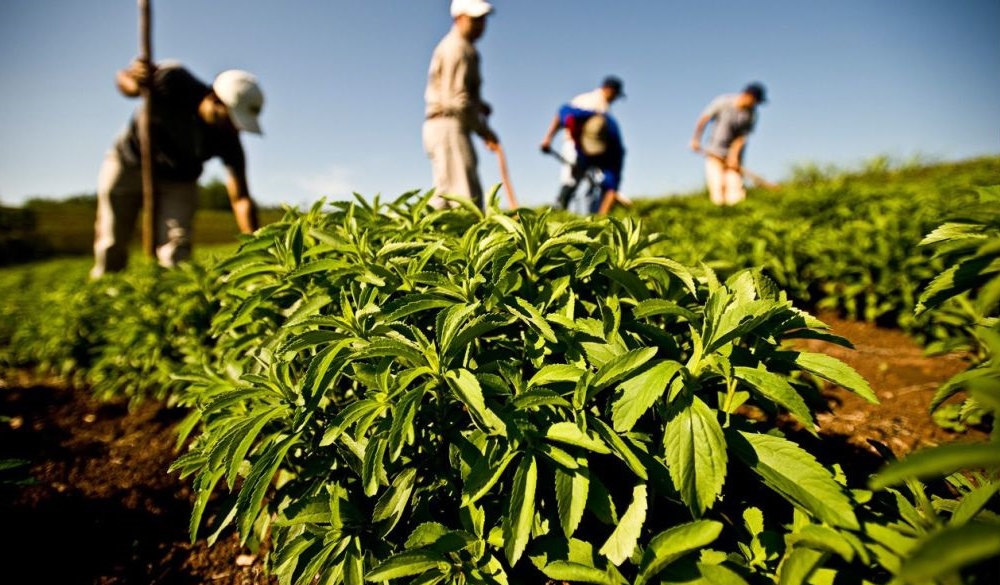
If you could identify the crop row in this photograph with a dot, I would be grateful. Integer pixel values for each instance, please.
(393, 393)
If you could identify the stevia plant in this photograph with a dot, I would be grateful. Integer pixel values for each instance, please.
(946, 525)
(403, 394)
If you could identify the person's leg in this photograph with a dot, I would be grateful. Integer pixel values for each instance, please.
(453, 161)
(175, 207)
(119, 200)
(714, 170)
(735, 192)
(569, 179)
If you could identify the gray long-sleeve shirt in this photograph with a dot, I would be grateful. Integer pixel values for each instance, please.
(453, 84)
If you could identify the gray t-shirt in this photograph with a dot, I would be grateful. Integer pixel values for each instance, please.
(730, 122)
(182, 142)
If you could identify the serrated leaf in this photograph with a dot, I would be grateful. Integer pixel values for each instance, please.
(483, 476)
(696, 454)
(407, 564)
(520, 510)
(622, 541)
(618, 446)
(534, 319)
(555, 373)
(670, 545)
(776, 388)
(569, 433)
(540, 397)
(578, 573)
(798, 565)
(251, 496)
(640, 392)
(572, 488)
(619, 367)
(796, 475)
(654, 307)
(973, 502)
(837, 372)
(466, 387)
(393, 502)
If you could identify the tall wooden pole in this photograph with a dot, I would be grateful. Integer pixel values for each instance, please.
(145, 140)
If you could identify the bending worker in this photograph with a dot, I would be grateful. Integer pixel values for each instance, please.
(596, 142)
(734, 117)
(599, 101)
(190, 123)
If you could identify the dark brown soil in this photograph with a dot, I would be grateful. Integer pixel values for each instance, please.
(102, 510)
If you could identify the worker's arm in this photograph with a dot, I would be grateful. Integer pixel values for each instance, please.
(243, 206)
(736, 153)
(551, 133)
(699, 128)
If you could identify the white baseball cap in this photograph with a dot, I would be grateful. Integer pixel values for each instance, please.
(473, 8)
(241, 93)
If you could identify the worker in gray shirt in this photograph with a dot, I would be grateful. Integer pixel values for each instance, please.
(734, 117)
(455, 109)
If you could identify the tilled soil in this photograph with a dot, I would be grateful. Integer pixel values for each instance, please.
(101, 509)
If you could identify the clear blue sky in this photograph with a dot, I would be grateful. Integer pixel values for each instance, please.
(344, 80)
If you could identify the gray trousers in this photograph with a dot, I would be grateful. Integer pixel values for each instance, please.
(453, 160)
(119, 204)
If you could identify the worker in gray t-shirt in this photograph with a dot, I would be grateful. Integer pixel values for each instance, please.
(733, 117)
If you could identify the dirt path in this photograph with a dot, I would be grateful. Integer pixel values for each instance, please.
(102, 510)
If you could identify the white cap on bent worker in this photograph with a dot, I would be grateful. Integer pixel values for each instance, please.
(473, 8)
(243, 97)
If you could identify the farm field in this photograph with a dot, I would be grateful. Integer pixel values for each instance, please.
(103, 500)
(800, 389)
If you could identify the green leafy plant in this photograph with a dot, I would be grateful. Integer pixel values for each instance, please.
(955, 537)
(431, 396)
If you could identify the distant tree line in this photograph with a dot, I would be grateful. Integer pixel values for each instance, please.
(46, 227)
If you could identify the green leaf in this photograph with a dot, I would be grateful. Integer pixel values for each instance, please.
(623, 540)
(248, 503)
(822, 538)
(798, 565)
(833, 370)
(640, 393)
(696, 454)
(621, 366)
(775, 387)
(535, 398)
(618, 446)
(521, 510)
(555, 373)
(796, 475)
(974, 502)
(407, 564)
(567, 432)
(472, 330)
(571, 497)
(950, 549)
(654, 307)
(938, 462)
(467, 389)
(484, 475)
(578, 573)
(534, 318)
(670, 545)
(739, 319)
(393, 502)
